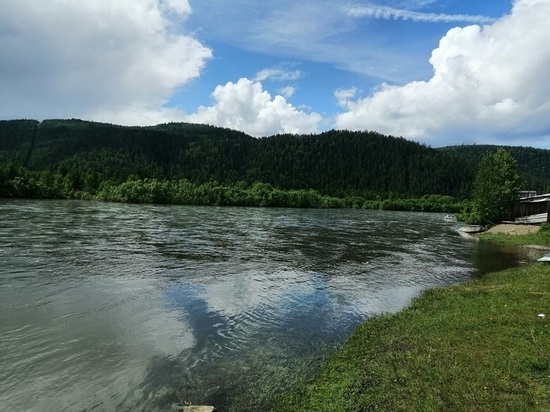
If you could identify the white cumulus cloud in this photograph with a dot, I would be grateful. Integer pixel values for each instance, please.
(63, 58)
(343, 96)
(488, 81)
(245, 106)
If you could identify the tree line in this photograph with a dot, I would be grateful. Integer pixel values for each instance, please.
(199, 164)
(21, 183)
(335, 163)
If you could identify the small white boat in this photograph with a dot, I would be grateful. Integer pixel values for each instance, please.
(449, 218)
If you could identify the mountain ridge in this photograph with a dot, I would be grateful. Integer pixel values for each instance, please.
(335, 162)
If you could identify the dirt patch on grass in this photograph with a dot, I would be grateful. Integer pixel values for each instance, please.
(514, 229)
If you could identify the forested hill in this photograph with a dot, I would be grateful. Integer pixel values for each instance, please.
(335, 163)
(533, 164)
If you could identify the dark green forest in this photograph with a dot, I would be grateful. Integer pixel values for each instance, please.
(533, 164)
(198, 164)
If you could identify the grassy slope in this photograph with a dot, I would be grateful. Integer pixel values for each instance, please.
(479, 346)
(541, 238)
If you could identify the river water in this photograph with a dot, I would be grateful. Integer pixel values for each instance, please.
(117, 307)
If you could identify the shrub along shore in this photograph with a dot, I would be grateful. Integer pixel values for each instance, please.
(479, 346)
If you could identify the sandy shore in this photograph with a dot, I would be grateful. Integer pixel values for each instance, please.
(514, 229)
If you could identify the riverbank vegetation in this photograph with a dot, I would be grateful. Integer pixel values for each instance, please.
(22, 183)
(482, 345)
(478, 346)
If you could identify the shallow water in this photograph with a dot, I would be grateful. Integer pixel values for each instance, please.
(116, 307)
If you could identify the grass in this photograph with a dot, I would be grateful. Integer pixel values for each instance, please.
(541, 238)
(480, 346)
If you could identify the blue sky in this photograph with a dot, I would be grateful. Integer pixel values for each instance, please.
(439, 72)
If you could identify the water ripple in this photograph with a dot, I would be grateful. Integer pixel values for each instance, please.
(119, 307)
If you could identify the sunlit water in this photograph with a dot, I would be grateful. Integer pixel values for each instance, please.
(118, 307)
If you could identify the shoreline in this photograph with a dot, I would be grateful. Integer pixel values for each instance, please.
(481, 345)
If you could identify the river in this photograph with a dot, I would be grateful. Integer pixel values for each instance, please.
(137, 307)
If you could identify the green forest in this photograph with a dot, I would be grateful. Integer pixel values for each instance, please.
(181, 163)
(533, 164)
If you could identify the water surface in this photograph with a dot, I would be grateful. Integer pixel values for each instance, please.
(117, 307)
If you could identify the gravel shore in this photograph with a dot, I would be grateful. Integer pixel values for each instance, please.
(512, 229)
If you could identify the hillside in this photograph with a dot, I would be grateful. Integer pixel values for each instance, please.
(335, 163)
(533, 164)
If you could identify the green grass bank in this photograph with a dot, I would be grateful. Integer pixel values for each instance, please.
(539, 238)
(479, 346)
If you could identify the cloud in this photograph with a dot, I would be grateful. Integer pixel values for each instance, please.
(309, 30)
(77, 59)
(487, 82)
(180, 7)
(280, 73)
(287, 91)
(247, 107)
(321, 31)
(343, 96)
(387, 13)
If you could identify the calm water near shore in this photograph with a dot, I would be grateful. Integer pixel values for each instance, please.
(116, 307)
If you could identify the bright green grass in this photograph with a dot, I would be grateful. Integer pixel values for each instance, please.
(479, 346)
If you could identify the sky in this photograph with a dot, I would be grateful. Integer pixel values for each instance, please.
(439, 72)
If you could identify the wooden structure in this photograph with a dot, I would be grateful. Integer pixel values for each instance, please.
(532, 209)
(527, 193)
